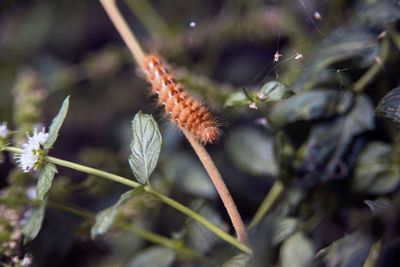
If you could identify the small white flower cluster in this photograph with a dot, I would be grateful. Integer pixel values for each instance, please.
(3, 130)
(30, 156)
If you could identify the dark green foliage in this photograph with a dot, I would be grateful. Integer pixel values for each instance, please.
(389, 105)
(152, 257)
(326, 126)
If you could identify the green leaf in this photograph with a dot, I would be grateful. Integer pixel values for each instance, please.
(372, 258)
(379, 13)
(45, 180)
(283, 228)
(274, 91)
(105, 218)
(389, 106)
(252, 151)
(351, 250)
(34, 223)
(376, 172)
(329, 140)
(379, 206)
(155, 256)
(145, 146)
(186, 172)
(297, 250)
(56, 124)
(269, 92)
(311, 105)
(239, 260)
(237, 99)
(198, 236)
(356, 43)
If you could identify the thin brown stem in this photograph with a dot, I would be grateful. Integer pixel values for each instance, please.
(134, 46)
(219, 185)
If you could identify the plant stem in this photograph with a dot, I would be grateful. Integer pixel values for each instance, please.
(199, 218)
(233, 241)
(219, 185)
(82, 168)
(134, 46)
(123, 29)
(374, 69)
(272, 195)
(145, 234)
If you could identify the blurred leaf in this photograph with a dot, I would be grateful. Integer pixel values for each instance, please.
(145, 146)
(283, 228)
(345, 43)
(239, 260)
(56, 124)
(349, 251)
(375, 172)
(153, 257)
(252, 151)
(297, 250)
(34, 223)
(379, 206)
(33, 29)
(285, 155)
(45, 180)
(105, 218)
(379, 13)
(237, 99)
(372, 258)
(275, 91)
(315, 104)
(199, 237)
(330, 140)
(389, 106)
(189, 175)
(333, 78)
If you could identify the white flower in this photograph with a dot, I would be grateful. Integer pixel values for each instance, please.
(27, 260)
(253, 106)
(27, 159)
(37, 139)
(30, 156)
(3, 130)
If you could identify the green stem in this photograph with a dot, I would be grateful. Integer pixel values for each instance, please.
(150, 236)
(235, 242)
(272, 195)
(230, 239)
(82, 168)
(394, 36)
(374, 69)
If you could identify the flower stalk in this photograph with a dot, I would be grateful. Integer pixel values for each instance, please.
(116, 178)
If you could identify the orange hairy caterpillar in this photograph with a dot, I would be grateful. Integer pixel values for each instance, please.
(181, 106)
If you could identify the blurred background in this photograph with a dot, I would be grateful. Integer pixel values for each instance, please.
(338, 161)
